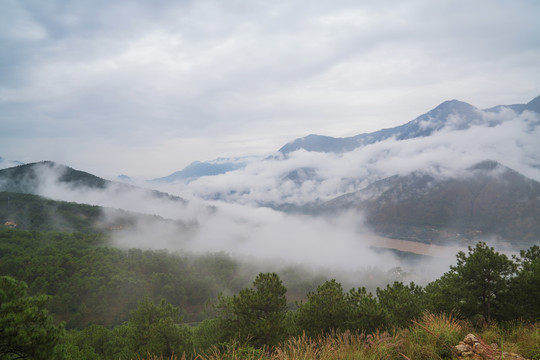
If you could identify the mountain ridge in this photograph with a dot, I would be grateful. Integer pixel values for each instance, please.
(199, 169)
(28, 178)
(455, 113)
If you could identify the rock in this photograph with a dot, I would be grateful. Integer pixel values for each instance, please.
(478, 348)
(473, 348)
(462, 348)
(470, 339)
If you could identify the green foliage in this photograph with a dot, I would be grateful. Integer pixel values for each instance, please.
(208, 334)
(441, 294)
(325, 310)
(158, 329)
(27, 330)
(32, 212)
(343, 345)
(526, 284)
(477, 286)
(514, 336)
(367, 313)
(91, 283)
(120, 290)
(402, 303)
(258, 314)
(330, 309)
(433, 336)
(98, 342)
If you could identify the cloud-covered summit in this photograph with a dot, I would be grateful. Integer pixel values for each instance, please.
(443, 139)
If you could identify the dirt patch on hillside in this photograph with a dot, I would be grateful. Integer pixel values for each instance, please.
(413, 246)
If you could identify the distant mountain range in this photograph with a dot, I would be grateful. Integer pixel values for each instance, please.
(455, 114)
(199, 169)
(452, 114)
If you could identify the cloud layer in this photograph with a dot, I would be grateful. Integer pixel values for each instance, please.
(304, 177)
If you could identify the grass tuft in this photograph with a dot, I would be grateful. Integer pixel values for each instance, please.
(433, 336)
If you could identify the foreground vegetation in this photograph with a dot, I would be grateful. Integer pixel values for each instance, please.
(118, 304)
(431, 337)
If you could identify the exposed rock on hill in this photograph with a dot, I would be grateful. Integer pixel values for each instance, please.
(477, 349)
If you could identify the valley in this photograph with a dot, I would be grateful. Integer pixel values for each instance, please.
(357, 218)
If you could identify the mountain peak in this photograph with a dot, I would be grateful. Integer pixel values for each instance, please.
(486, 165)
(449, 107)
(453, 103)
(534, 104)
(455, 113)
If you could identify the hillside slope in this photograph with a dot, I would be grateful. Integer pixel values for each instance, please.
(30, 178)
(486, 200)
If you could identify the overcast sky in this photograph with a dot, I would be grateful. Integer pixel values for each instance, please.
(146, 87)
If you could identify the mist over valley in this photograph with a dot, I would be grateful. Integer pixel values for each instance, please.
(437, 184)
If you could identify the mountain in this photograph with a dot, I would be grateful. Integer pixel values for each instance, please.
(124, 178)
(534, 105)
(30, 178)
(486, 200)
(423, 125)
(453, 114)
(199, 169)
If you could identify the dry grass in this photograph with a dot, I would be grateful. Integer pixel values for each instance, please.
(160, 357)
(518, 337)
(433, 336)
(430, 337)
(334, 346)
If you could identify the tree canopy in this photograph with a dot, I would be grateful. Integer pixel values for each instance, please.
(27, 331)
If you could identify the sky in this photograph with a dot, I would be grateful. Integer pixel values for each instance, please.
(145, 88)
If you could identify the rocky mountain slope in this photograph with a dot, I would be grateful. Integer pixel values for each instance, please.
(486, 200)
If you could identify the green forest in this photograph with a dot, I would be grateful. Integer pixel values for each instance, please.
(66, 293)
(71, 296)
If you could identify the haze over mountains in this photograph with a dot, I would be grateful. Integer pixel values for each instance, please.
(452, 176)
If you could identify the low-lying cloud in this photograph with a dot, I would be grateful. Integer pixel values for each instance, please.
(224, 213)
(506, 137)
(261, 235)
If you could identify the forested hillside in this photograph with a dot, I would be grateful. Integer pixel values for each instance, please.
(95, 284)
(127, 303)
(33, 212)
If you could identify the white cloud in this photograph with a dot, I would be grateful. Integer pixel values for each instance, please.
(258, 234)
(508, 139)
